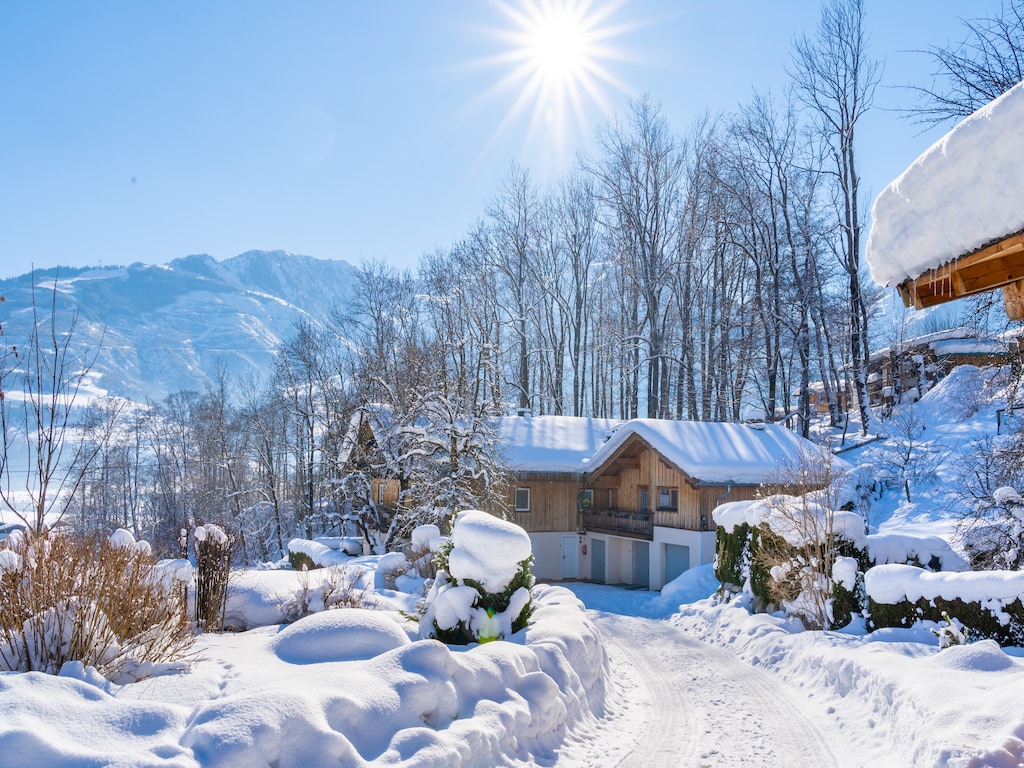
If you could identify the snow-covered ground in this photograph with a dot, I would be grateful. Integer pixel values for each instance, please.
(669, 678)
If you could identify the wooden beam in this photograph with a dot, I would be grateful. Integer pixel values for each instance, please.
(986, 269)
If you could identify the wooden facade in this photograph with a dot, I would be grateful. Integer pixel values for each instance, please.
(553, 501)
(638, 484)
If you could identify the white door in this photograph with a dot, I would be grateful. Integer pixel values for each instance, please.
(570, 557)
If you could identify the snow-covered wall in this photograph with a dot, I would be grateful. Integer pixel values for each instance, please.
(960, 195)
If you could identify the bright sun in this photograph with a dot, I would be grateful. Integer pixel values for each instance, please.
(558, 51)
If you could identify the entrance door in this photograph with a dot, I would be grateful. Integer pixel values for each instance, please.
(677, 560)
(642, 563)
(570, 557)
(597, 572)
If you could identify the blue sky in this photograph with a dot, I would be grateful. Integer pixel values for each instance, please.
(136, 131)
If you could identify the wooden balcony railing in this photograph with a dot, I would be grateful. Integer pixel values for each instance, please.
(638, 524)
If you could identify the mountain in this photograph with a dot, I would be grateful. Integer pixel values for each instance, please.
(166, 328)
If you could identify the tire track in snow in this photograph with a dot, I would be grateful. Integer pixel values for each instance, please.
(708, 708)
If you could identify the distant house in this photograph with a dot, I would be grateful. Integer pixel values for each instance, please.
(632, 502)
(905, 371)
(952, 224)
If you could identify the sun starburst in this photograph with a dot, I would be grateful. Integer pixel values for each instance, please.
(559, 54)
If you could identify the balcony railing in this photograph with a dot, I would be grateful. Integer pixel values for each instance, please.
(637, 524)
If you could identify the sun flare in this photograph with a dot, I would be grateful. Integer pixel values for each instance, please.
(559, 52)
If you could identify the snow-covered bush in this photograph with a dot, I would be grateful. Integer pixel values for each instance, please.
(991, 527)
(323, 552)
(782, 549)
(213, 568)
(482, 589)
(424, 545)
(340, 587)
(103, 602)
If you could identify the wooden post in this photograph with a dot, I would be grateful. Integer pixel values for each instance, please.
(1013, 299)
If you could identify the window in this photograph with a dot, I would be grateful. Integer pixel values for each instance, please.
(522, 500)
(668, 499)
(380, 492)
(645, 499)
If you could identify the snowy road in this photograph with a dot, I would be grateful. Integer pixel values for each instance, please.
(681, 702)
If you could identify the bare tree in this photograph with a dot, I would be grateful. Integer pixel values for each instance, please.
(835, 79)
(640, 179)
(40, 382)
(988, 62)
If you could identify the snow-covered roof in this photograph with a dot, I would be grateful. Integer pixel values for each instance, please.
(715, 452)
(551, 443)
(962, 194)
(952, 341)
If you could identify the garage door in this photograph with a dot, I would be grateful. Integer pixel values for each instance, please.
(677, 560)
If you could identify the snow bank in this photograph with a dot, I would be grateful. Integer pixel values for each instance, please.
(891, 584)
(413, 705)
(321, 554)
(893, 695)
(960, 195)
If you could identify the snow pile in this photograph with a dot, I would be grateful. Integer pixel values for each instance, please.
(125, 539)
(350, 545)
(211, 532)
(483, 591)
(926, 551)
(960, 195)
(341, 635)
(796, 519)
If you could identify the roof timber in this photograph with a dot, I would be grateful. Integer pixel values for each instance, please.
(998, 265)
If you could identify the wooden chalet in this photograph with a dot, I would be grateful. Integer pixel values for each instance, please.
(905, 371)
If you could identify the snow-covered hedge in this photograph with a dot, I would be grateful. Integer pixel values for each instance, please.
(746, 527)
(987, 603)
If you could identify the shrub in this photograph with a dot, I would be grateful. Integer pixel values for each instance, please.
(339, 588)
(1004, 624)
(67, 597)
(300, 561)
(213, 569)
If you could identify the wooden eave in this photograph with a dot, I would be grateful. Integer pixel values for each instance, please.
(998, 265)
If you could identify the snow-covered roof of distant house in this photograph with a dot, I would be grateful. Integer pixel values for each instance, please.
(962, 194)
(716, 452)
(551, 443)
(952, 341)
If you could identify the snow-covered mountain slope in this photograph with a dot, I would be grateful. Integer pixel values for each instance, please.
(166, 328)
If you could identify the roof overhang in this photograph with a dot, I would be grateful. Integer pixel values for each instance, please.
(998, 265)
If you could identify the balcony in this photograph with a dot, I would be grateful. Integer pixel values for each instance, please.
(639, 525)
